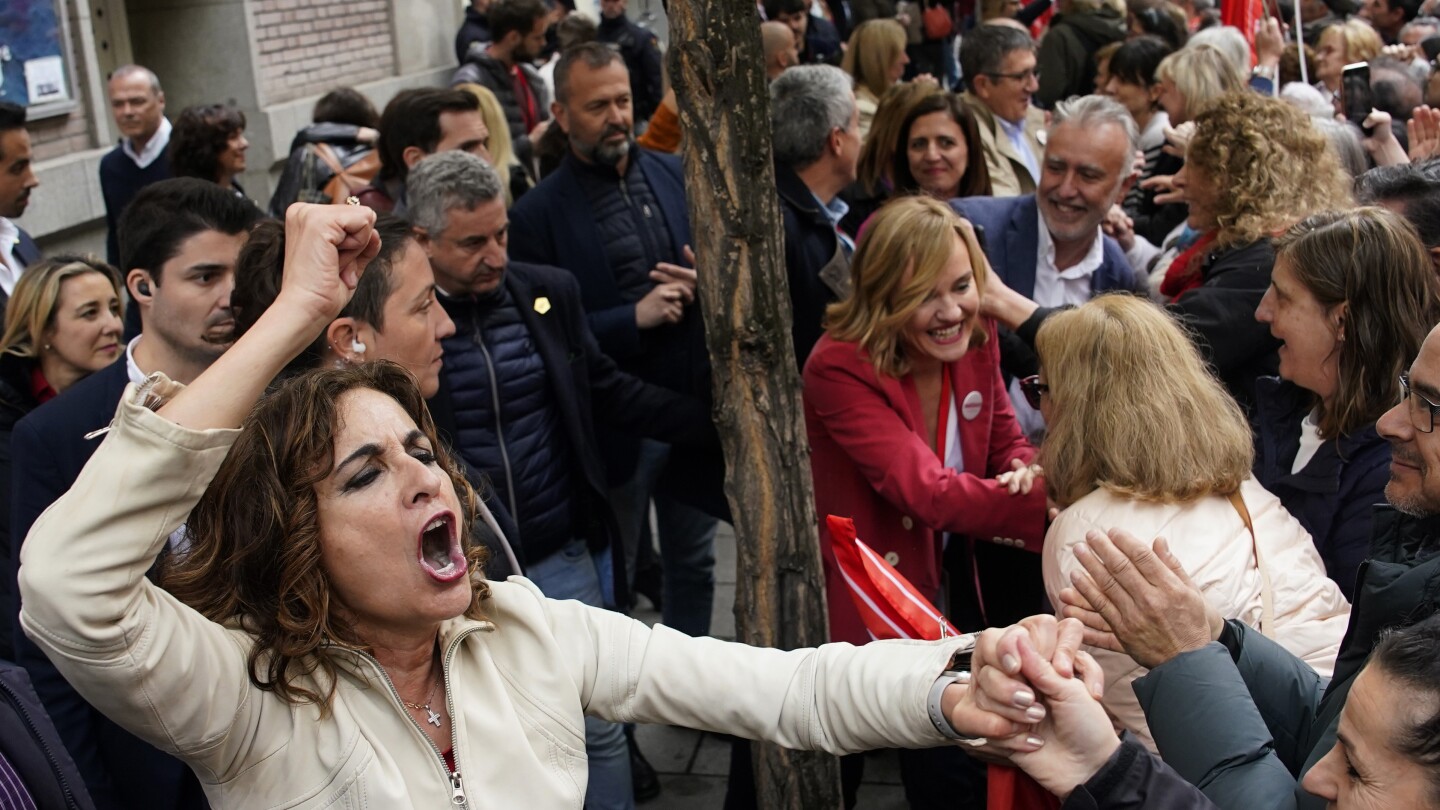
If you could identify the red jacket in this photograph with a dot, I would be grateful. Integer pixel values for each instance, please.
(872, 462)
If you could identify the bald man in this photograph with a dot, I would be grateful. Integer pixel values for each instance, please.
(781, 49)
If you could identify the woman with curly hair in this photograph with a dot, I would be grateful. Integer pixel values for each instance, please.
(1140, 435)
(332, 642)
(1253, 168)
(209, 142)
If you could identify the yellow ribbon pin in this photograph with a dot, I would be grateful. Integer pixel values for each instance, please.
(542, 305)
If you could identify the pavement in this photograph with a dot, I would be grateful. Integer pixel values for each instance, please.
(693, 765)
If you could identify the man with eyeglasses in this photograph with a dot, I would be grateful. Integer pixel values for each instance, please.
(997, 63)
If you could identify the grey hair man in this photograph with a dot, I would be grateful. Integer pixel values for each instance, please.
(523, 385)
(1048, 246)
(998, 63)
(816, 135)
(138, 105)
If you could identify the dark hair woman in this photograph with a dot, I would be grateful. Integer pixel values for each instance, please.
(209, 142)
(941, 154)
(1352, 296)
(1132, 82)
(330, 603)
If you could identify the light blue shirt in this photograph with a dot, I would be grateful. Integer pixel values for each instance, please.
(835, 211)
(1016, 134)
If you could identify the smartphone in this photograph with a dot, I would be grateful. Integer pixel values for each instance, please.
(1431, 47)
(1355, 94)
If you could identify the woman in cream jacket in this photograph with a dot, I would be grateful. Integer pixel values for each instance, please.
(326, 641)
(1142, 437)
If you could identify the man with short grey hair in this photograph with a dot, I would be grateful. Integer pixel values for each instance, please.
(522, 388)
(816, 136)
(1048, 245)
(138, 104)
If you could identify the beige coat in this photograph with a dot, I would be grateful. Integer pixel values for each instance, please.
(1210, 540)
(1008, 175)
(520, 684)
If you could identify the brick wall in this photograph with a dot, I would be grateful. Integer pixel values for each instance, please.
(307, 47)
(70, 132)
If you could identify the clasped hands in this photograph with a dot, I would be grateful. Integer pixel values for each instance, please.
(1035, 694)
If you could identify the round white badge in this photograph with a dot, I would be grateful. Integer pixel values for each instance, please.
(970, 408)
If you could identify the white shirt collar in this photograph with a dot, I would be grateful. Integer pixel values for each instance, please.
(9, 263)
(1055, 287)
(154, 147)
(133, 371)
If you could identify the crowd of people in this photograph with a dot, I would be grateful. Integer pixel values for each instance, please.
(1117, 331)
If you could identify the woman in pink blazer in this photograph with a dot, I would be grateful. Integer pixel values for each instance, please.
(911, 431)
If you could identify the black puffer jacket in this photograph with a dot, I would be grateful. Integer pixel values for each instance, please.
(482, 69)
(32, 747)
(506, 425)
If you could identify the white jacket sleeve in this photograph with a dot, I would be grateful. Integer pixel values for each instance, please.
(837, 697)
(131, 649)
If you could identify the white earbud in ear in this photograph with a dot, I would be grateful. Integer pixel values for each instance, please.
(356, 346)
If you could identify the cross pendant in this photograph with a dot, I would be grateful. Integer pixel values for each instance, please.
(434, 718)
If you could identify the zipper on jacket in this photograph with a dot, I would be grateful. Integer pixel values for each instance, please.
(29, 722)
(457, 785)
(499, 430)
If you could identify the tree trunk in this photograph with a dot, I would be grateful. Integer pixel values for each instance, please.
(717, 69)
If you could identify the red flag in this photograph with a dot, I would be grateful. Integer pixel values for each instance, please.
(1243, 14)
(892, 608)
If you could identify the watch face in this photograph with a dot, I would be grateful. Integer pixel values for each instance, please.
(960, 661)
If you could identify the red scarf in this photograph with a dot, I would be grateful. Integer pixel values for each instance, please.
(1184, 273)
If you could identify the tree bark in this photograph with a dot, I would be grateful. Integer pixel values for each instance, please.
(717, 69)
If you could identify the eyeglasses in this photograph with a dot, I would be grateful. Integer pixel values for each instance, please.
(1023, 76)
(1422, 410)
(1032, 388)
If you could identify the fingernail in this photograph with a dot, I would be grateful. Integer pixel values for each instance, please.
(1009, 663)
(1035, 741)
(1023, 698)
(1035, 714)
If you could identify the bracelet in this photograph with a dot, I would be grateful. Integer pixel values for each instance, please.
(937, 714)
(1265, 72)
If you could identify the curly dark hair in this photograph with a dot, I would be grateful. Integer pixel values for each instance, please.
(255, 557)
(201, 134)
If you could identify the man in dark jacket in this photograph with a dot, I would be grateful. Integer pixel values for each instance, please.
(1066, 57)
(138, 104)
(816, 129)
(17, 180)
(819, 40)
(523, 386)
(474, 29)
(642, 57)
(1231, 710)
(505, 66)
(615, 216)
(35, 769)
(179, 240)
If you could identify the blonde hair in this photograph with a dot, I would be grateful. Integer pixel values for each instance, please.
(893, 271)
(1135, 410)
(501, 148)
(874, 46)
(887, 131)
(1362, 43)
(1202, 74)
(1272, 165)
(31, 310)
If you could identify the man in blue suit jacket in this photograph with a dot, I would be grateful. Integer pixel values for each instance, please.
(1049, 246)
(179, 240)
(614, 215)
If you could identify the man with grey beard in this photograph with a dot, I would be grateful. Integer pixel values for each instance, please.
(614, 215)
